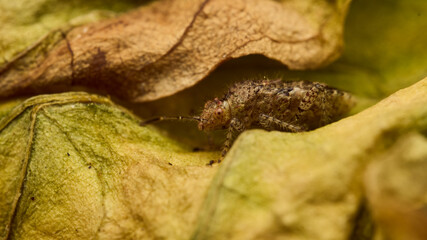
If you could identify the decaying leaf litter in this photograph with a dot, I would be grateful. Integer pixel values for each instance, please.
(315, 189)
(166, 226)
(54, 153)
(168, 46)
(139, 184)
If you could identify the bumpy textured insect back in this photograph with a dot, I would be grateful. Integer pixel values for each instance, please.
(271, 105)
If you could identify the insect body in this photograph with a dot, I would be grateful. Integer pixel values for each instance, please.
(272, 105)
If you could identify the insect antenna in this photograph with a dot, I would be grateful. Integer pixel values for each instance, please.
(157, 119)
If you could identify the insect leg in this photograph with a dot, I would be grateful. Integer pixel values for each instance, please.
(235, 127)
(269, 122)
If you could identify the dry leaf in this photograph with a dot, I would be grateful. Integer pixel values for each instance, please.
(169, 45)
(397, 189)
(309, 185)
(77, 166)
(117, 182)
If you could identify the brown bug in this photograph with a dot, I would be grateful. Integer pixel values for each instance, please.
(271, 105)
